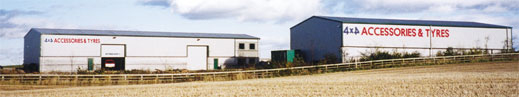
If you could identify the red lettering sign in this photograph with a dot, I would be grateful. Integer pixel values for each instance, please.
(73, 40)
(404, 32)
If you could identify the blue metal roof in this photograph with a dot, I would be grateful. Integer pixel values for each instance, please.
(411, 22)
(139, 33)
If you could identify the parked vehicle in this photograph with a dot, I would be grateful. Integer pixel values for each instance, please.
(109, 63)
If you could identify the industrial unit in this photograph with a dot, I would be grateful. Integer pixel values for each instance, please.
(69, 50)
(347, 38)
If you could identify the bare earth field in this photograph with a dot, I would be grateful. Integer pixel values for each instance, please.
(475, 79)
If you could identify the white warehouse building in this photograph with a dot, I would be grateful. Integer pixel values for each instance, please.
(347, 38)
(69, 50)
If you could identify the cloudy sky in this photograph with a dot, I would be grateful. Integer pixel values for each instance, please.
(268, 19)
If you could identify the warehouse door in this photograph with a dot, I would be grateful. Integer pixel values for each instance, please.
(197, 57)
(112, 56)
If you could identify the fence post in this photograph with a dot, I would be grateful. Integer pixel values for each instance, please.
(371, 65)
(444, 61)
(403, 62)
(278, 72)
(125, 77)
(392, 62)
(382, 63)
(142, 77)
(356, 65)
(2, 77)
(39, 78)
(268, 75)
(325, 69)
(455, 61)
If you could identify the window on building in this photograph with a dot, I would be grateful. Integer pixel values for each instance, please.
(252, 46)
(241, 46)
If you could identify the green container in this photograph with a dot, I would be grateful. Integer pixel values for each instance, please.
(291, 54)
(284, 55)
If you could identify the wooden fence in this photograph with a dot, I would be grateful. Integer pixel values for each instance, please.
(106, 79)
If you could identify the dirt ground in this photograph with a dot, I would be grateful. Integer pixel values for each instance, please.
(474, 79)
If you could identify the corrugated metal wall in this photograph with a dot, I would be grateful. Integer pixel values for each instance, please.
(31, 49)
(459, 38)
(144, 53)
(316, 37)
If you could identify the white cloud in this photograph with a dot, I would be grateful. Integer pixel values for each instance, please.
(441, 9)
(247, 10)
(413, 6)
(14, 24)
(23, 24)
(495, 8)
(160, 3)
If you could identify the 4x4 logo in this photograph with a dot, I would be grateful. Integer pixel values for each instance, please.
(351, 30)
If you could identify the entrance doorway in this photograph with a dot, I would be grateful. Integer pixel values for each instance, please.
(113, 56)
(197, 57)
